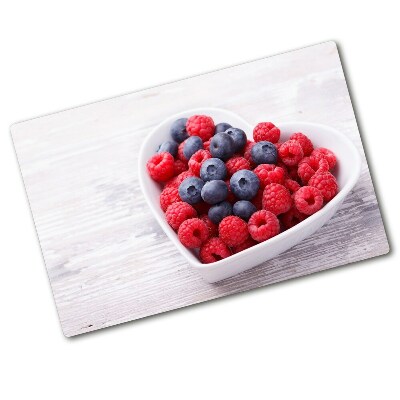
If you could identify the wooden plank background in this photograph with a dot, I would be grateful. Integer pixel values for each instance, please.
(107, 259)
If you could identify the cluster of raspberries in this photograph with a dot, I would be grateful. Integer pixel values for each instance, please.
(223, 193)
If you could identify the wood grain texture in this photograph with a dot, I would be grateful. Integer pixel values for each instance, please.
(107, 259)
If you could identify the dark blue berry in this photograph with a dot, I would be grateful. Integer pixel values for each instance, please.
(170, 147)
(191, 145)
(222, 146)
(244, 184)
(178, 130)
(239, 138)
(190, 190)
(221, 127)
(264, 153)
(213, 169)
(244, 209)
(214, 192)
(218, 212)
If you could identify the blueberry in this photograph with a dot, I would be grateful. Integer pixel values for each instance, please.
(222, 146)
(244, 184)
(169, 146)
(213, 169)
(190, 190)
(192, 144)
(239, 138)
(214, 192)
(244, 209)
(218, 212)
(264, 153)
(178, 130)
(221, 127)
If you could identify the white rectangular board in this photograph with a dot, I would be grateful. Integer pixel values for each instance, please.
(107, 259)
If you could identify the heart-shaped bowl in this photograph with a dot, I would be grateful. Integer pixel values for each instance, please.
(347, 172)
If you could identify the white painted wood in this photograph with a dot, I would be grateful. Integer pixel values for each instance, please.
(107, 259)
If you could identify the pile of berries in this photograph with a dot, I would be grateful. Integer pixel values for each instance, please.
(223, 193)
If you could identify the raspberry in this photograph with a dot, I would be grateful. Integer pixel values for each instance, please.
(291, 153)
(292, 218)
(276, 198)
(249, 242)
(193, 232)
(257, 199)
(235, 164)
(168, 196)
(202, 207)
(197, 159)
(269, 173)
(247, 152)
(233, 231)
(308, 166)
(206, 145)
(214, 250)
(175, 182)
(291, 185)
(326, 183)
(212, 228)
(278, 145)
(231, 197)
(181, 156)
(266, 131)
(179, 167)
(263, 225)
(178, 212)
(308, 200)
(200, 125)
(161, 166)
(304, 142)
(326, 154)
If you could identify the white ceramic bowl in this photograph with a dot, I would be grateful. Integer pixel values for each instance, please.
(347, 172)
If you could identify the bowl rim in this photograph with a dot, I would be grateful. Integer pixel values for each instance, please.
(191, 258)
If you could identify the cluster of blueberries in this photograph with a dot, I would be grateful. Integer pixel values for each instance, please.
(211, 187)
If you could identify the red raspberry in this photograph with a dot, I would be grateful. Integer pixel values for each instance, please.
(168, 196)
(290, 153)
(308, 200)
(200, 125)
(326, 154)
(197, 159)
(308, 166)
(257, 199)
(233, 231)
(292, 218)
(291, 185)
(179, 167)
(249, 242)
(212, 228)
(178, 212)
(180, 155)
(206, 145)
(161, 166)
(247, 152)
(214, 250)
(231, 197)
(269, 173)
(326, 183)
(263, 225)
(276, 198)
(235, 164)
(278, 145)
(175, 182)
(266, 131)
(292, 173)
(304, 142)
(202, 207)
(193, 232)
